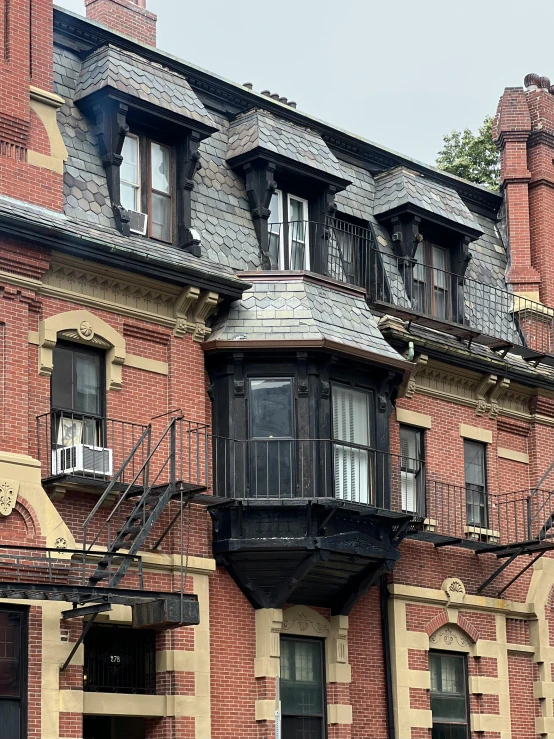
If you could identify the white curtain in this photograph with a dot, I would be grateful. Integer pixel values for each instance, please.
(351, 424)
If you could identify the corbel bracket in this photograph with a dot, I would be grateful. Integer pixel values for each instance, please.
(188, 163)
(111, 129)
(260, 186)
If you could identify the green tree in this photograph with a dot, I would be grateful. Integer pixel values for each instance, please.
(472, 156)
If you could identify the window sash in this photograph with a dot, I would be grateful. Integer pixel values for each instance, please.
(302, 678)
(160, 192)
(353, 458)
(412, 481)
(298, 236)
(449, 688)
(430, 278)
(129, 179)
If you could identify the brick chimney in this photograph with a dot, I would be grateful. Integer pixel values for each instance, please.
(524, 132)
(31, 148)
(125, 16)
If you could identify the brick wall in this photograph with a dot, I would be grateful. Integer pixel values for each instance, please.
(124, 16)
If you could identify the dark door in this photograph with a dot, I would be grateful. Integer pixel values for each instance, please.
(302, 688)
(13, 674)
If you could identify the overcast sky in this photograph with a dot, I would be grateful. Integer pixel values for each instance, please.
(401, 73)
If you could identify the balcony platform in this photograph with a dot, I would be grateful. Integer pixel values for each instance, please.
(58, 485)
(319, 551)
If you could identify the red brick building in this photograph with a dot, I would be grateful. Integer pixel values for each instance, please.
(276, 425)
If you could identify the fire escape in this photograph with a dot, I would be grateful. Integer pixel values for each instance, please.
(166, 469)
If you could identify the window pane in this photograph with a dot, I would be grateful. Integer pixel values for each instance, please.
(412, 480)
(87, 385)
(161, 217)
(297, 210)
(474, 457)
(452, 731)
(302, 677)
(275, 215)
(10, 719)
(448, 709)
(10, 649)
(448, 693)
(350, 415)
(271, 409)
(130, 164)
(160, 160)
(62, 378)
(129, 196)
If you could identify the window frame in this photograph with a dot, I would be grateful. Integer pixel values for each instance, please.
(284, 234)
(323, 715)
(372, 459)
(428, 285)
(23, 667)
(150, 188)
(256, 442)
(82, 349)
(483, 494)
(138, 187)
(465, 679)
(420, 502)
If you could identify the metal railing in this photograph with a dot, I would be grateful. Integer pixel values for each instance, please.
(492, 313)
(83, 445)
(336, 249)
(120, 660)
(316, 468)
(469, 513)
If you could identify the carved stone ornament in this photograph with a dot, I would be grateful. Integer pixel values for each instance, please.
(60, 543)
(85, 330)
(454, 588)
(304, 625)
(449, 636)
(8, 496)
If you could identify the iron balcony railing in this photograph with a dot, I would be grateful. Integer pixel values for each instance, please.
(315, 468)
(471, 513)
(335, 249)
(84, 445)
(491, 315)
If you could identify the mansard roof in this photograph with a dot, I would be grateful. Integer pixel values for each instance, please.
(300, 307)
(112, 68)
(259, 130)
(398, 188)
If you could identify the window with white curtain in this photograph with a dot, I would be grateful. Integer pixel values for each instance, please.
(412, 478)
(352, 439)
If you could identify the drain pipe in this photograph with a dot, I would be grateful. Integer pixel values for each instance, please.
(391, 733)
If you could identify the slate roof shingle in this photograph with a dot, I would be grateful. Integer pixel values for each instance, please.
(400, 186)
(260, 129)
(301, 307)
(140, 78)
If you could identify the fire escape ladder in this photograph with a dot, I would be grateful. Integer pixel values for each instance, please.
(154, 496)
(538, 540)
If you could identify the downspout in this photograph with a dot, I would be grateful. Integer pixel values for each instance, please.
(391, 733)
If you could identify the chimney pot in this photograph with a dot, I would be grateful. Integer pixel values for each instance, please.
(545, 82)
(283, 100)
(532, 80)
(291, 104)
(266, 93)
(275, 96)
(248, 85)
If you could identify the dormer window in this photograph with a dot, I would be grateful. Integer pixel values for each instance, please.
(431, 278)
(148, 189)
(288, 227)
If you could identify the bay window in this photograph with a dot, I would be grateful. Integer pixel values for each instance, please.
(449, 704)
(271, 449)
(353, 459)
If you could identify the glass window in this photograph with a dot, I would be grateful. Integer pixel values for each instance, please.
(440, 283)
(130, 174)
(160, 207)
(12, 673)
(299, 253)
(302, 687)
(412, 470)
(448, 695)
(77, 395)
(274, 226)
(431, 280)
(271, 430)
(351, 434)
(476, 483)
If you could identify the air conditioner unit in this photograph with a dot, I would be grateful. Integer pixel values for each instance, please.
(137, 222)
(82, 459)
